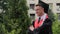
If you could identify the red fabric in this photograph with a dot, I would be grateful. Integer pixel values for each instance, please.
(36, 24)
(46, 16)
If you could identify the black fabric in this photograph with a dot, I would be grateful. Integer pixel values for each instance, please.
(39, 19)
(44, 5)
(29, 31)
(46, 28)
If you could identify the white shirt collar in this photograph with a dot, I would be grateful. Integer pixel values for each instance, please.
(43, 16)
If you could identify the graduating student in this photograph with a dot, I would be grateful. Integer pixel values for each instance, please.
(42, 24)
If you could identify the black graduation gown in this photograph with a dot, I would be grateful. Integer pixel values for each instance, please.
(46, 28)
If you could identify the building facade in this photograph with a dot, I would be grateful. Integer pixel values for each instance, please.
(54, 6)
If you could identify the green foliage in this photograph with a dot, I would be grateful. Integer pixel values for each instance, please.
(56, 26)
(15, 20)
(56, 23)
(51, 15)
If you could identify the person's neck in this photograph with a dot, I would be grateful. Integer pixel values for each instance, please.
(41, 14)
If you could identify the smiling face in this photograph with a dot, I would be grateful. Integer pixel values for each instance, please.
(39, 10)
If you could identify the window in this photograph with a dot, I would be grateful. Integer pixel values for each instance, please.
(58, 16)
(32, 16)
(32, 6)
(0, 7)
(58, 6)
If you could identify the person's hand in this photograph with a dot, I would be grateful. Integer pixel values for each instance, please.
(31, 28)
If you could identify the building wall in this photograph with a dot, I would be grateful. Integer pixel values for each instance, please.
(52, 4)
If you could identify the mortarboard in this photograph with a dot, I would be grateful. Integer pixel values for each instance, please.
(44, 5)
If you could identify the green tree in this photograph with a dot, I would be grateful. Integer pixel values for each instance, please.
(55, 22)
(56, 25)
(51, 15)
(2, 8)
(15, 18)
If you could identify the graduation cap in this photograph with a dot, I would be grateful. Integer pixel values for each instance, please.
(44, 5)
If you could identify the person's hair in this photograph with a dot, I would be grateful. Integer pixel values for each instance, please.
(45, 10)
(39, 5)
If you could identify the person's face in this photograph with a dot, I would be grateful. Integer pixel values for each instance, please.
(39, 10)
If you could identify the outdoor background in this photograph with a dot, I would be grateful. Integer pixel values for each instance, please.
(17, 15)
